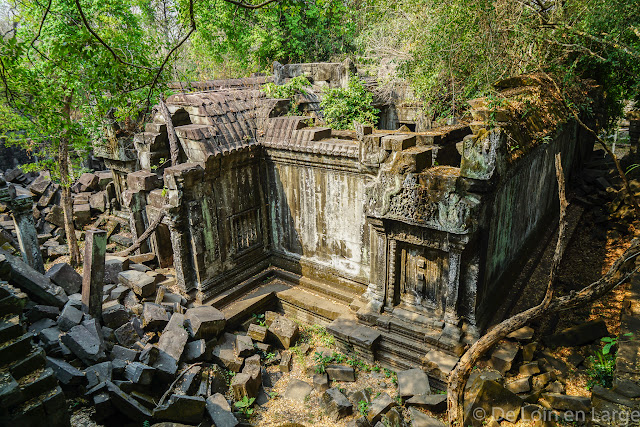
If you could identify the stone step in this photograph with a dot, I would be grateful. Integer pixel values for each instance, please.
(37, 383)
(15, 349)
(34, 361)
(10, 328)
(311, 308)
(343, 294)
(241, 310)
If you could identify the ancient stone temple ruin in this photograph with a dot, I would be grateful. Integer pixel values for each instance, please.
(402, 242)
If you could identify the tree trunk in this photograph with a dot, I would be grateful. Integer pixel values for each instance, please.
(171, 133)
(460, 374)
(65, 180)
(144, 236)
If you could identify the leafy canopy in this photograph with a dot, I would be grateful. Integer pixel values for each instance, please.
(343, 106)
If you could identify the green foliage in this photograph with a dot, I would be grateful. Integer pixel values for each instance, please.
(610, 342)
(289, 90)
(601, 370)
(258, 318)
(343, 106)
(244, 405)
(363, 407)
(146, 423)
(321, 362)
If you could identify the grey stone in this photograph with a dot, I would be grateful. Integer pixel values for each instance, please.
(139, 373)
(154, 316)
(127, 335)
(123, 353)
(285, 331)
(170, 348)
(321, 382)
(487, 396)
(564, 402)
(393, 418)
(379, 406)
(66, 373)
(183, 409)
(118, 293)
(102, 405)
(257, 332)
(581, 334)
(126, 404)
(113, 266)
(244, 346)
(627, 388)
(243, 384)
(66, 277)
(138, 282)
(298, 390)
(540, 381)
(98, 373)
(149, 354)
(38, 326)
(419, 419)
(84, 344)
(503, 356)
(530, 369)
(38, 312)
(114, 314)
(194, 351)
(229, 359)
(431, 402)
(335, 404)
(521, 385)
(341, 373)
(205, 321)
(413, 382)
(220, 411)
(523, 334)
(69, 317)
(286, 361)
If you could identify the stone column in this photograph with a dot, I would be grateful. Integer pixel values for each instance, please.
(179, 230)
(135, 201)
(453, 283)
(22, 212)
(93, 277)
(378, 274)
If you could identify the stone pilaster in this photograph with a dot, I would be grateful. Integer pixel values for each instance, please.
(93, 275)
(376, 290)
(179, 230)
(21, 209)
(135, 202)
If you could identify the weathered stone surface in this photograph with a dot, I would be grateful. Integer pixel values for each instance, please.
(530, 369)
(565, 402)
(38, 312)
(114, 314)
(503, 356)
(88, 182)
(65, 372)
(149, 354)
(244, 384)
(490, 398)
(154, 316)
(184, 409)
(431, 402)
(81, 214)
(321, 382)
(84, 344)
(220, 412)
(413, 382)
(113, 266)
(298, 390)
(257, 332)
(523, 334)
(419, 419)
(123, 353)
(194, 351)
(540, 381)
(205, 321)
(69, 317)
(581, 334)
(93, 273)
(140, 283)
(98, 373)
(286, 331)
(126, 404)
(244, 346)
(139, 373)
(286, 361)
(335, 404)
(627, 388)
(341, 373)
(38, 286)
(379, 406)
(63, 275)
(521, 385)
(170, 348)
(127, 334)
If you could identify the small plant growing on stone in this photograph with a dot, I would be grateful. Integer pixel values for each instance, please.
(363, 407)
(610, 342)
(146, 423)
(322, 362)
(258, 318)
(339, 357)
(244, 405)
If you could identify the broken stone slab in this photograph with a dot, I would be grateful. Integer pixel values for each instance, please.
(220, 412)
(205, 321)
(379, 406)
(170, 348)
(154, 316)
(523, 334)
(420, 419)
(555, 387)
(581, 334)
(98, 373)
(432, 402)
(528, 351)
(63, 275)
(489, 397)
(114, 314)
(286, 361)
(285, 331)
(69, 317)
(114, 265)
(503, 356)
(413, 382)
(81, 214)
(149, 354)
(119, 292)
(244, 384)
(541, 381)
(39, 326)
(39, 185)
(321, 382)
(123, 353)
(627, 388)
(139, 373)
(257, 332)
(140, 283)
(229, 360)
(66, 373)
(127, 335)
(126, 404)
(39, 311)
(84, 344)
(180, 408)
(521, 385)
(298, 390)
(341, 373)
(88, 182)
(565, 402)
(194, 351)
(244, 346)
(438, 363)
(335, 404)
(529, 369)
(38, 286)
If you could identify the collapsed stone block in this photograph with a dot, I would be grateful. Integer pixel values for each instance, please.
(285, 331)
(138, 282)
(335, 404)
(205, 321)
(154, 316)
(220, 412)
(69, 317)
(84, 344)
(63, 275)
(413, 382)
